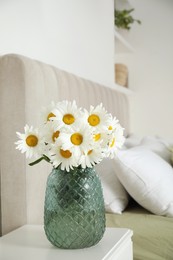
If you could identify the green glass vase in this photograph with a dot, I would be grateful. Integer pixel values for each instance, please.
(74, 214)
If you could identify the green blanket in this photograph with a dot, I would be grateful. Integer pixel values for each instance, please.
(152, 235)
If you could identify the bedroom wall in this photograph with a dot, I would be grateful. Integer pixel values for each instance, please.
(151, 67)
(75, 35)
(39, 29)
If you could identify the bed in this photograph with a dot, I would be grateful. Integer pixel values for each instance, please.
(25, 86)
(152, 237)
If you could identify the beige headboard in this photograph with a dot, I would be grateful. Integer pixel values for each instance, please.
(26, 86)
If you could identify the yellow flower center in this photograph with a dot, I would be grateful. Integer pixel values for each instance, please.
(76, 138)
(55, 135)
(65, 153)
(68, 119)
(50, 115)
(89, 152)
(93, 120)
(97, 137)
(32, 140)
(110, 127)
(112, 143)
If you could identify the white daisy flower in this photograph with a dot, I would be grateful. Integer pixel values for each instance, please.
(119, 132)
(66, 114)
(31, 142)
(116, 141)
(50, 134)
(101, 138)
(91, 157)
(98, 117)
(113, 122)
(66, 158)
(71, 136)
(77, 138)
(47, 114)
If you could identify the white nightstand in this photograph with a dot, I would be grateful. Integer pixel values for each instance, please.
(29, 242)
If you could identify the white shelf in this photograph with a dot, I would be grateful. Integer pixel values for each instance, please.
(122, 89)
(119, 38)
(122, 46)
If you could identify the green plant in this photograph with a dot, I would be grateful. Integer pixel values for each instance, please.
(123, 18)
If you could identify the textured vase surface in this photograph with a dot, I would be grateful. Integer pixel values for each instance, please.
(74, 214)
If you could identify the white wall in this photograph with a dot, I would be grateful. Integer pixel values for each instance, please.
(77, 36)
(151, 67)
(74, 35)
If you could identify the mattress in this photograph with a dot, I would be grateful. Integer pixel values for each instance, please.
(152, 234)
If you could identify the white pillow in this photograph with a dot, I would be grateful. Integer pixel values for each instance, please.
(115, 196)
(132, 140)
(157, 145)
(147, 178)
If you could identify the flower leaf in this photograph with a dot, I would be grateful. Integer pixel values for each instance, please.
(44, 157)
(37, 161)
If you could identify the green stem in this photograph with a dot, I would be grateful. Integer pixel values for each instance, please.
(44, 157)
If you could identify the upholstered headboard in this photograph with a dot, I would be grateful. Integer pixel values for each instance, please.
(26, 86)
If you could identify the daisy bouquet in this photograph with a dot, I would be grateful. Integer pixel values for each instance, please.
(70, 136)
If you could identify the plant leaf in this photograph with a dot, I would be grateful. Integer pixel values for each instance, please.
(37, 161)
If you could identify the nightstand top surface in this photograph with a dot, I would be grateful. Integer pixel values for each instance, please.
(29, 242)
